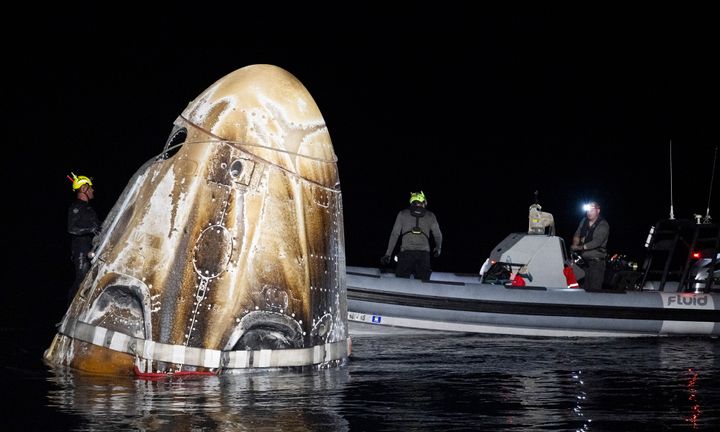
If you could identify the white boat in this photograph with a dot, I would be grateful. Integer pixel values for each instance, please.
(655, 300)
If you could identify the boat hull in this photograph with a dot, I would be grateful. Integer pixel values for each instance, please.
(381, 303)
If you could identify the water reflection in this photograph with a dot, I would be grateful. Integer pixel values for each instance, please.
(692, 361)
(421, 384)
(253, 401)
(580, 398)
(695, 411)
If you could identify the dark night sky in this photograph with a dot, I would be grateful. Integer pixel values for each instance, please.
(479, 110)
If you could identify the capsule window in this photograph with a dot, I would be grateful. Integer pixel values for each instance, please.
(236, 169)
(174, 142)
(241, 171)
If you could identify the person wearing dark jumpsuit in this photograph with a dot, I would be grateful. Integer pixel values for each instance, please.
(414, 226)
(82, 225)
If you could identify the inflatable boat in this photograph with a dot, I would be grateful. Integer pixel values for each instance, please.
(653, 300)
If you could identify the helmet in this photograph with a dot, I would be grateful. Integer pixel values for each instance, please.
(78, 181)
(417, 196)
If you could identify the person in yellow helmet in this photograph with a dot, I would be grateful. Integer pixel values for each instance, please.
(415, 225)
(82, 225)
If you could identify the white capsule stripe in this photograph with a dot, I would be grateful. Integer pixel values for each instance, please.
(148, 350)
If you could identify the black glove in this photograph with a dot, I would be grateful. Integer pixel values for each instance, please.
(385, 260)
(436, 252)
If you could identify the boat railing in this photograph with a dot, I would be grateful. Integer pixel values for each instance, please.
(673, 247)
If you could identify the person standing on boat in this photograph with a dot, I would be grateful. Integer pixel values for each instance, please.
(414, 225)
(82, 225)
(590, 241)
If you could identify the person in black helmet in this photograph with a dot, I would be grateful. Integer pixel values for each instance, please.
(82, 225)
(590, 242)
(415, 225)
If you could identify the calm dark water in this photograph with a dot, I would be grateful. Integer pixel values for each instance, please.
(393, 383)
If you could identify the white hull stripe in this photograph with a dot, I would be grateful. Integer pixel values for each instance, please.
(410, 323)
(202, 357)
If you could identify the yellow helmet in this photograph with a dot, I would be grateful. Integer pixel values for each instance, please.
(417, 196)
(78, 181)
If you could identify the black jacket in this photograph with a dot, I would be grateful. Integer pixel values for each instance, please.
(82, 224)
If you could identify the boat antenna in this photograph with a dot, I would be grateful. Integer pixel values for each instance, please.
(672, 214)
(707, 218)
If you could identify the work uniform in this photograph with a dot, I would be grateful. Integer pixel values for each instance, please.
(415, 224)
(82, 224)
(593, 240)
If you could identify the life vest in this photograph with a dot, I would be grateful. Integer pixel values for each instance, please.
(587, 231)
(418, 212)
